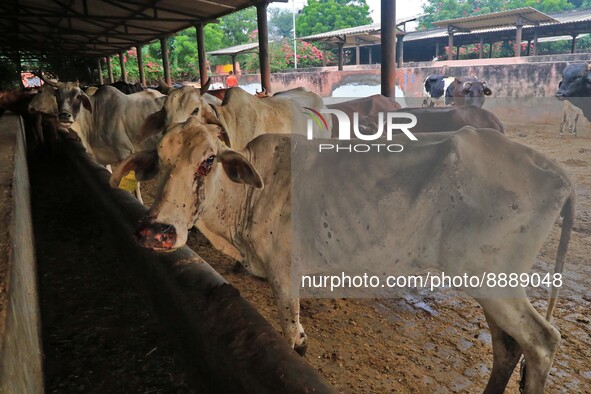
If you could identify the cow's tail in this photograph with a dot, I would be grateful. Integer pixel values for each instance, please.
(568, 217)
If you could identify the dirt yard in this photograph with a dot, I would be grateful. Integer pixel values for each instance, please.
(440, 343)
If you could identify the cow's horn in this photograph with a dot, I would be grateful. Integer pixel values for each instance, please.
(48, 81)
(205, 87)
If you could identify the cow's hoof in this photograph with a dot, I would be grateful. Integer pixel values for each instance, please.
(301, 349)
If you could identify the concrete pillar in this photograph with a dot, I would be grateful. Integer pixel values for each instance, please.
(110, 70)
(450, 46)
(357, 53)
(341, 57)
(264, 62)
(534, 49)
(100, 71)
(201, 57)
(388, 41)
(234, 64)
(400, 49)
(518, 33)
(122, 64)
(370, 48)
(573, 45)
(165, 61)
(140, 65)
(481, 49)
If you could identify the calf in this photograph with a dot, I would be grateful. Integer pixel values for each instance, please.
(454, 91)
(457, 217)
(570, 117)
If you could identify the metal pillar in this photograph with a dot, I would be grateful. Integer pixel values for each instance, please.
(528, 47)
(100, 71)
(450, 46)
(357, 54)
(165, 62)
(201, 59)
(341, 57)
(388, 48)
(122, 63)
(264, 62)
(369, 54)
(140, 65)
(458, 52)
(110, 69)
(490, 50)
(573, 45)
(234, 64)
(535, 47)
(481, 49)
(517, 50)
(400, 49)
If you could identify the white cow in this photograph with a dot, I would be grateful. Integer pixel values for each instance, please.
(570, 117)
(107, 122)
(242, 116)
(476, 202)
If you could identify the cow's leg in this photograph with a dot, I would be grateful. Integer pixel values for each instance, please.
(563, 123)
(518, 319)
(574, 130)
(506, 353)
(289, 311)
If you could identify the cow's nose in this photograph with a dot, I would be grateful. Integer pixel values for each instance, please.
(64, 117)
(156, 236)
(560, 95)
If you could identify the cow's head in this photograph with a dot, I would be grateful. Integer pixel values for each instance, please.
(576, 81)
(70, 99)
(195, 167)
(180, 104)
(470, 91)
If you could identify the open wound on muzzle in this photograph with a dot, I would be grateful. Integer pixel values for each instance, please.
(128, 182)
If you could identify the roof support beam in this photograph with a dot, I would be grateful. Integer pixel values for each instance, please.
(100, 71)
(388, 48)
(450, 46)
(122, 64)
(517, 50)
(110, 69)
(140, 65)
(165, 62)
(264, 62)
(201, 56)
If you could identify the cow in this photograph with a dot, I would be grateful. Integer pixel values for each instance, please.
(107, 122)
(454, 91)
(576, 87)
(241, 115)
(458, 216)
(570, 117)
(43, 109)
(429, 120)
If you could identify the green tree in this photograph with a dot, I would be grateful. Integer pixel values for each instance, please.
(320, 16)
(280, 23)
(237, 27)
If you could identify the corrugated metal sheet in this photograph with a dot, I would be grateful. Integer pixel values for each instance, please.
(235, 50)
(529, 15)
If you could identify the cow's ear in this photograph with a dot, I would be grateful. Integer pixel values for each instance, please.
(86, 102)
(145, 164)
(153, 124)
(239, 169)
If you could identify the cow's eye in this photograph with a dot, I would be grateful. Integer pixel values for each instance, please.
(195, 111)
(210, 159)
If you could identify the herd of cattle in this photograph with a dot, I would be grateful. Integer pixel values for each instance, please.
(225, 167)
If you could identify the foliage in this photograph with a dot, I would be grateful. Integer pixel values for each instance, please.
(438, 10)
(280, 23)
(281, 56)
(320, 16)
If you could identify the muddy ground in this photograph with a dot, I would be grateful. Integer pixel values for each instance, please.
(440, 343)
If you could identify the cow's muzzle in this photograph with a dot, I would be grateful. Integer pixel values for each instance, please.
(560, 96)
(65, 119)
(156, 236)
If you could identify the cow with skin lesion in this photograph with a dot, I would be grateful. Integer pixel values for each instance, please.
(241, 200)
(457, 91)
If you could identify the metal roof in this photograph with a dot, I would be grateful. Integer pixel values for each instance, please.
(236, 50)
(351, 36)
(567, 22)
(101, 27)
(526, 16)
